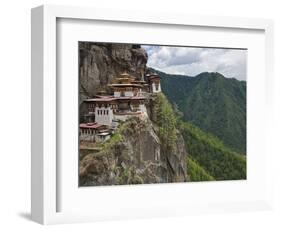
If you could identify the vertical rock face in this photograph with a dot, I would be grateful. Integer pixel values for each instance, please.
(136, 158)
(177, 160)
(99, 63)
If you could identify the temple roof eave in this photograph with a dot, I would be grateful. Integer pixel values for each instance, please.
(114, 99)
(125, 85)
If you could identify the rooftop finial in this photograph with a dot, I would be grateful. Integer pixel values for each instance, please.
(124, 74)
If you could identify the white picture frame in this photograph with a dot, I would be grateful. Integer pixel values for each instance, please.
(45, 167)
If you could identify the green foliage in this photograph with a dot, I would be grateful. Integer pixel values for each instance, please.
(166, 122)
(127, 176)
(212, 102)
(196, 172)
(111, 143)
(127, 126)
(211, 154)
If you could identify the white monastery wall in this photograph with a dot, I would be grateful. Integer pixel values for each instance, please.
(117, 94)
(154, 90)
(121, 117)
(103, 115)
(129, 94)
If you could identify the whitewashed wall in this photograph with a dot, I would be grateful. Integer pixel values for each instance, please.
(103, 118)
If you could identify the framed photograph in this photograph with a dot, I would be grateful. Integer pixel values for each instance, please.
(141, 114)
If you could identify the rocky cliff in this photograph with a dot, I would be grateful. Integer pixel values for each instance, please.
(134, 155)
(143, 150)
(99, 63)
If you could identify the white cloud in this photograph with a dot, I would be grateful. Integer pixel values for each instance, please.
(192, 61)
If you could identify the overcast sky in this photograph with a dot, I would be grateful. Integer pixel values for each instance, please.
(192, 61)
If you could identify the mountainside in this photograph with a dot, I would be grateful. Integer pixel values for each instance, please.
(209, 158)
(196, 172)
(212, 102)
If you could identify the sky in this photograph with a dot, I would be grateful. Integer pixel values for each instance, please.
(232, 63)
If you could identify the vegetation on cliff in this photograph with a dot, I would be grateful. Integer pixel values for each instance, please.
(140, 151)
(166, 121)
(173, 148)
(118, 162)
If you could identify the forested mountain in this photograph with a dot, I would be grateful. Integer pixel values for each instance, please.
(215, 104)
(209, 159)
(196, 172)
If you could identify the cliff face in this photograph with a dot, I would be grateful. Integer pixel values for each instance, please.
(100, 63)
(134, 155)
(143, 150)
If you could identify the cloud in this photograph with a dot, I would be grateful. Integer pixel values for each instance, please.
(192, 61)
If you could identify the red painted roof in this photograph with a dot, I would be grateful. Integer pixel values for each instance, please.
(130, 98)
(109, 99)
(90, 125)
(103, 96)
(124, 85)
(101, 99)
(154, 77)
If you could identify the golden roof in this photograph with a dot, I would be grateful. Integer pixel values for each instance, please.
(125, 75)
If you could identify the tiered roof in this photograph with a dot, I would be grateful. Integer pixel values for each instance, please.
(125, 80)
(110, 99)
(153, 76)
(101, 99)
(93, 125)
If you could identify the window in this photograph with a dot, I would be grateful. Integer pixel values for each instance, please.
(157, 86)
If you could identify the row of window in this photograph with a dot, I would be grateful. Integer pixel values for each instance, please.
(93, 106)
(102, 112)
(87, 131)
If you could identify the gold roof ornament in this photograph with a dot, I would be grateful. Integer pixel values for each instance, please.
(124, 78)
(125, 75)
